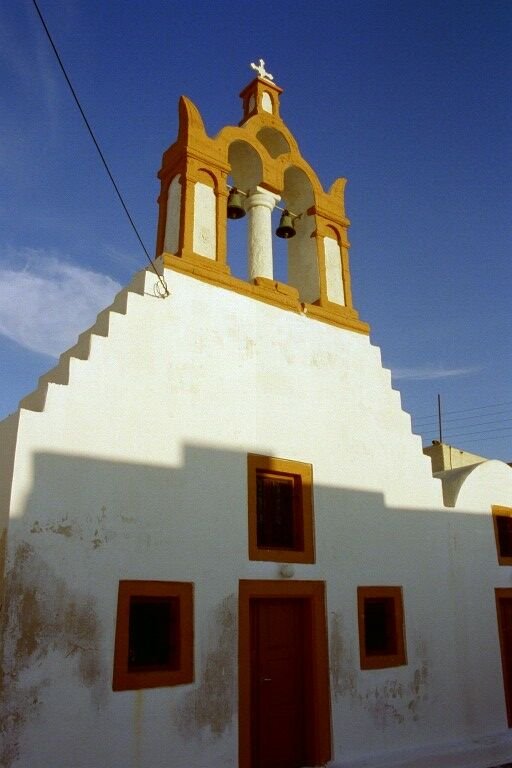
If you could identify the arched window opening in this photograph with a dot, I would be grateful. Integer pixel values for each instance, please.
(236, 242)
(246, 165)
(280, 246)
(246, 174)
(301, 249)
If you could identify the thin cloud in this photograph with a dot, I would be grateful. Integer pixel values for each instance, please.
(47, 302)
(43, 77)
(127, 260)
(431, 372)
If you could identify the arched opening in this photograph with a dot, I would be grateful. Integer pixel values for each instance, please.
(300, 251)
(246, 165)
(246, 173)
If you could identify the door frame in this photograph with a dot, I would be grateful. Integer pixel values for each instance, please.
(314, 593)
(506, 657)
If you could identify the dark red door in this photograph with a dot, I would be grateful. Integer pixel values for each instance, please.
(504, 605)
(280, 682)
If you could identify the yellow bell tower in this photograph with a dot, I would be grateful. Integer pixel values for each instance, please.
(262, 159)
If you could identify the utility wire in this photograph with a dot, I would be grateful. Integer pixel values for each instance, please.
(472, 427)
(160, 278)
(481, 432)
(474, 408)
(468, 426)
(483, 439)
(505, 416)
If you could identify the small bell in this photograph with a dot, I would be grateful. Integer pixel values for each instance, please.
(236, 209)
(286, 228)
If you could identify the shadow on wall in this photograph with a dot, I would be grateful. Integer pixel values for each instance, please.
(88, 523)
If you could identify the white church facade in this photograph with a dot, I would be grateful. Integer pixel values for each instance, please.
(223, 544)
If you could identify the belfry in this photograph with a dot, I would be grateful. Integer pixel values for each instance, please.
(262, 160)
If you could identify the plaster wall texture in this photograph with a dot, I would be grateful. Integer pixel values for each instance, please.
(137, 469)
(302, 260)
(8, 433)
(335, 292)
(204, 238)
(172, 226)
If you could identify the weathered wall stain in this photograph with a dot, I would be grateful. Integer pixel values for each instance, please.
(59, 528)
(211, 705)
(343, 671)
(91, 528)
(394, 700)
(397, 701)
(41, 615)
(385, 702)
(3, 550)
(418, 689)
(138, 717)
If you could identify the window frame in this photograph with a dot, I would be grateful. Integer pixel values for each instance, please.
(125, 679)
(302, 502)
(497, 512)
(384, 660)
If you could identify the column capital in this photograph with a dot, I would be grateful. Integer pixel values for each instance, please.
(259, 196)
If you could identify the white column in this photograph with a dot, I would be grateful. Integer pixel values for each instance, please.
(260, 204)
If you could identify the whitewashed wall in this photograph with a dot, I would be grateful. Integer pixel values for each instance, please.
(136, 469)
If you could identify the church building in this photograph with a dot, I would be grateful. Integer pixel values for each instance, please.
(224, 546)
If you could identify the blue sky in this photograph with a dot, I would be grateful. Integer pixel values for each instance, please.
(409, 100)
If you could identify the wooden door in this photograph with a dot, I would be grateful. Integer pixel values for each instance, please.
(283, 673)
(504, 607)
(280, 682)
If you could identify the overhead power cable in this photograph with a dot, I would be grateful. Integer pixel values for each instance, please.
(463, 435)
(483, 439)
(465, 410)
(93, 137)
(505, 415)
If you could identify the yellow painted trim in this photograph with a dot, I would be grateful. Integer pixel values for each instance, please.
(269, 291)
(284, 288)
(257, 88)
(286, 467)
(335, 314)
(397, 659)
(198, 158)
(496, 513)
(195, 260)
(504, 594)
(125, 680)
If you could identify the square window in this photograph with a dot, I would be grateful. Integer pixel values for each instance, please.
(154, 635)
(280, 510)
(381, 627)
(502, 518)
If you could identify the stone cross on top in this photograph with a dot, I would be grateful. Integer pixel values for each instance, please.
(260, 69)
